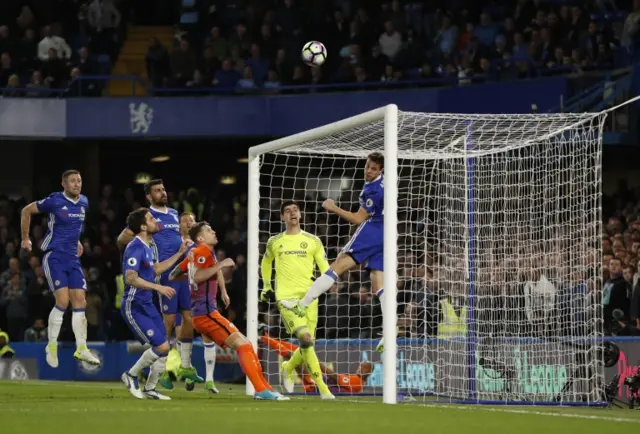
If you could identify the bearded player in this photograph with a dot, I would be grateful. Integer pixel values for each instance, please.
(343, 383)
(296, 254)
(202, 270)
(168, 241)
(365, 247)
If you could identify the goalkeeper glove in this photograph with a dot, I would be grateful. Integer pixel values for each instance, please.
(266, 294)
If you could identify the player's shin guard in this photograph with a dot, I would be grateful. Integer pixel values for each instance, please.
(209, 360)
(319, 287)
(157, 368)
(147, 359)
(55, 323)
(251, 367)
(313, 366)
(79, 326)
(184, 346)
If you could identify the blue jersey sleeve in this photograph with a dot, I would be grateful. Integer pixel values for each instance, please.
(133, 259)
(369, 199)
(48, 204)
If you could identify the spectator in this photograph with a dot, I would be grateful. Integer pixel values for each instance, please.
(226, 77)
(218, 45)
(615, 293)
(14, 304)
(447, 37)
(258, 64)
(247, 81)
(55, 70)
(39, 88)
(7, 43)
(37, 332)
(209, 64)
(273, 81)
(103, 18)
(85, 63)
(183, 63)
(240, 40)
(390, 41)
(13, 87)
(51, 41)
(28, 52)
(157, 60)
(6, 69)
(486, 31)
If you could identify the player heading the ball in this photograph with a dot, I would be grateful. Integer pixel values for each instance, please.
(202, 269)
(61, 262)
(296, 254)
(366, 245)
(138, 309)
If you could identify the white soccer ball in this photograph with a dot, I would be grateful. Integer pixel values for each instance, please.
(314, 53)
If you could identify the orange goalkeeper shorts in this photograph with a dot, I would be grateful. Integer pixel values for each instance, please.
(215, 327)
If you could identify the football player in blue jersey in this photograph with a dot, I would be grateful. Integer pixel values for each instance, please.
(66, 211)
(366, 245)
(140, 267)
(167, 241)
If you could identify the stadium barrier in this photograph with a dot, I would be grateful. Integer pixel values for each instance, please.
(256, 115)
(116, 357)
(534, 374)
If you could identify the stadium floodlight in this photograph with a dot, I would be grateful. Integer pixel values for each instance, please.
(493, 223)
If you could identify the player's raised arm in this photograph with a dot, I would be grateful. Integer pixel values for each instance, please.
(355, 218)
(125, 238)
(204, 274)
(266, 269)
(165, 265)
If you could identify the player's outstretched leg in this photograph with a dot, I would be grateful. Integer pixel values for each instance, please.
(210, 366)
(289, 351)
(148, 358)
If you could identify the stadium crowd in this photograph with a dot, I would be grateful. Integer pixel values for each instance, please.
(347, 311)
(244, 45)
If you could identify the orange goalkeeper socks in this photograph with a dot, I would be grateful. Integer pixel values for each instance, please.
(285, 349)
(251, 367)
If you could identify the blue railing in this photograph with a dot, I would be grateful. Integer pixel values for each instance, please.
(499, 67)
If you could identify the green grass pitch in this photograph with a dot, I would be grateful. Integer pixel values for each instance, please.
(101, 408)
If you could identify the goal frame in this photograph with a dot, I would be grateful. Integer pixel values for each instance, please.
(388, 114)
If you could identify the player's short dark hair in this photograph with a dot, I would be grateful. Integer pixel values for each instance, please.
(68, 173)
(136, 219)
(187, 213)
(377, 157)
(287, 203)
(196, 229)
(149, 185)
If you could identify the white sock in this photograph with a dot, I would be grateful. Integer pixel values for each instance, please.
(380, 295)
(210, 360)
(156, 370)
(79, 325)
(147, 359)
(55, 323)
(319, 287)
(185, 352)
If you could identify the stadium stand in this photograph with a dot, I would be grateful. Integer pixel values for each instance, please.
(226, 46)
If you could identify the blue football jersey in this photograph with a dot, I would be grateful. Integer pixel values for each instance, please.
(168, 238)
(139, 257)
(66, 220)
(372, 199)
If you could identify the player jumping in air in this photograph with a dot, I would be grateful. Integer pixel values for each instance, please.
(296, 254)
(343, 383)
(187, 220)
(61, 262)
(168, 241)
(366, 245)
(138, 309)
(202, 270)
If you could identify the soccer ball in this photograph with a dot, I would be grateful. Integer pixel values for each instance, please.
(314, 53)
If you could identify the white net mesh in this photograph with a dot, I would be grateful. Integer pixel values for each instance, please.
(498, 254)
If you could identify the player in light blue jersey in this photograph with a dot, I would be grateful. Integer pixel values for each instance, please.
(366, 245)
(62, 249)
(168, 240)
(138, 308)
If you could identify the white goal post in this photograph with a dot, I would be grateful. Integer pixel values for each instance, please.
(493, 232)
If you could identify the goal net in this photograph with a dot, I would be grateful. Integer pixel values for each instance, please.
(498, 254)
